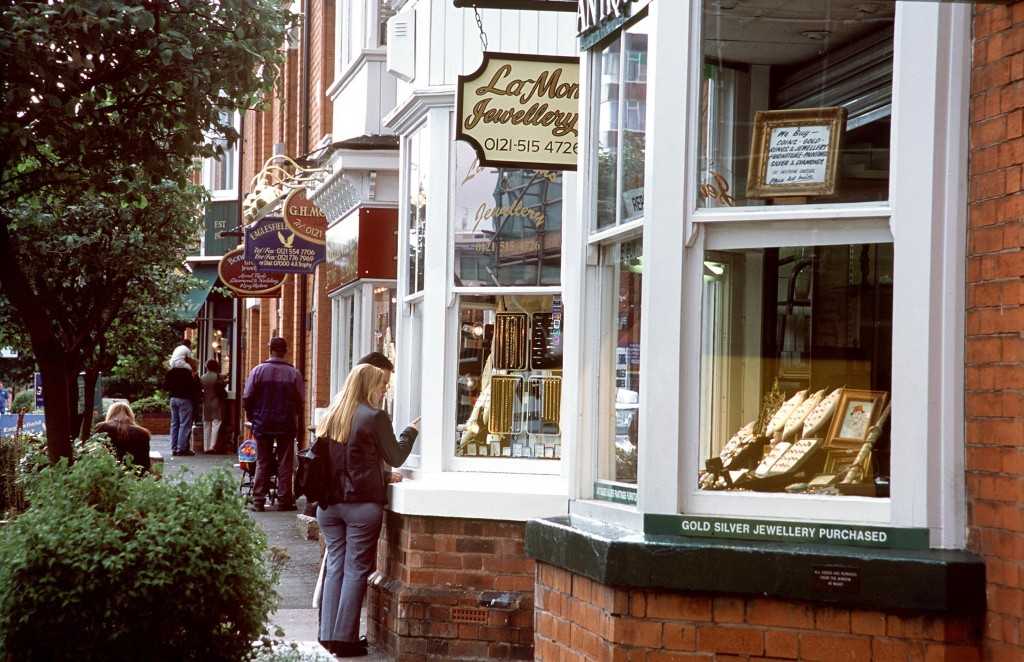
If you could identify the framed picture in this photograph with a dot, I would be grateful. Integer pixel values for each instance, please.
(795, 152)
(855, 413)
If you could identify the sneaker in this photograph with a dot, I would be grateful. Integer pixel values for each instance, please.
(257, 507)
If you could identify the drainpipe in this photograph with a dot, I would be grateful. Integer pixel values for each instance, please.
(304, 97)
(239, 307)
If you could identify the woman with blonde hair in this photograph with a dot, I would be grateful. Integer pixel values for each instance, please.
(128, 437)
(357, 437)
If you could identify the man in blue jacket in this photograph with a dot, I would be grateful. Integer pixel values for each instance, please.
(273, 399)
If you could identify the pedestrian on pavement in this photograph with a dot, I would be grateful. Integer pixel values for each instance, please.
(214, 395)
(128, 437)
(272, 400)
(377, 360)
(357, 436)
(5, 396)
(182, 385)
(182, 356)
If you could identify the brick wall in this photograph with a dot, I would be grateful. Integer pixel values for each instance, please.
(995, 321)
(323, 340)
(578, 619)
(452, 589)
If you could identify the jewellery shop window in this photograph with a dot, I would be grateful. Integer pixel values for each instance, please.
(621, 109)
(419, 155)
(617, 461)
(796, 370)
(509, 389)
(795, 102)
(508, 224)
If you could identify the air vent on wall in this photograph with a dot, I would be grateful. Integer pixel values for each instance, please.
(401, 54)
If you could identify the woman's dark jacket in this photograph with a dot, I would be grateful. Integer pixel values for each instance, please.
(356, 469)
(128, 440)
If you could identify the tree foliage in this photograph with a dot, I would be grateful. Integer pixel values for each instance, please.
(104, 105)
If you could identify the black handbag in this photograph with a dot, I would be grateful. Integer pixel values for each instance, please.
(311, 476)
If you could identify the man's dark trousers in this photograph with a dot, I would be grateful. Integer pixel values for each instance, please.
(285, 460)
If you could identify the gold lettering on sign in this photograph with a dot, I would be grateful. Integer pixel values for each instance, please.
(485, 213)
(548, 85)
(717, 189)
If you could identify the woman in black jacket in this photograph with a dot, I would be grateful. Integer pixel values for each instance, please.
(356, 434)
(128, 437)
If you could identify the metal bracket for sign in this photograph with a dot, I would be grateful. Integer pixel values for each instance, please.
(460, 100)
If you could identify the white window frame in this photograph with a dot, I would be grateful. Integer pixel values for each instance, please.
(453, 462)
(210, 163)
(590, 78)
(925, 218)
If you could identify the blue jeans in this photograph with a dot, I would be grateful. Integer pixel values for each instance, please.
(181, 424)
(351, 531)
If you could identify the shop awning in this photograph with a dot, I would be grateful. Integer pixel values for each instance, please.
(196, 297)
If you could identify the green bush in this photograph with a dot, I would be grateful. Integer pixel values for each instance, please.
(12, 493)
(158, 403)
(24, 400)
(107, 566)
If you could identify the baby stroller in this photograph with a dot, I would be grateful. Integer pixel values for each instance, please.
(247, 465)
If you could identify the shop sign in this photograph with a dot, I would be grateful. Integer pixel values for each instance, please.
(795, 152)
(521, 111)
(271, 246)
(37, 383)
(241, 277)
(304, 218)
(615, 493)
(596, 19)
(846, 535)
(219, 217)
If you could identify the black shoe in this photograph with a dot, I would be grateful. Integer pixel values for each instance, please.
(286, 507)
(187, 453)
(257, 507)
(348, 648)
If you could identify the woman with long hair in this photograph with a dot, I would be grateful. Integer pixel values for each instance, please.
(128, 437)
(356, 434)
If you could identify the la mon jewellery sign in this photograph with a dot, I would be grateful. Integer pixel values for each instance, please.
(521, 111)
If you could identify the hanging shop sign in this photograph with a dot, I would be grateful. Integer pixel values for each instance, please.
(304, 218)
(272, 247)
(279, 176)
(241, 277)
(784, 531)
(795, 152)
(521, 111)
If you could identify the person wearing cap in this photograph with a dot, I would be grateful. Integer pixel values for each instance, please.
(272, 399)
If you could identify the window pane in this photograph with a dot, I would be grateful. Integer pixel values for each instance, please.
(508, 224)
(805, 54)
(796, 369)
(607, 132)
(618, 462)
(419, 153)
(634, 93)
(509, 377)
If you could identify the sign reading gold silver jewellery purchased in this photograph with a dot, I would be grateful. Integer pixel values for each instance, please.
(240, 276)
(521, 111)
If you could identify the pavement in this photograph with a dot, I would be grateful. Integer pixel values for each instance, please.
(295, 614)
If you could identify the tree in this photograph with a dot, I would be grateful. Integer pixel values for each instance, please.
(101, 100)
(103, 265)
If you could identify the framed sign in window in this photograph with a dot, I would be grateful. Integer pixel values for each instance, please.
(795, 152)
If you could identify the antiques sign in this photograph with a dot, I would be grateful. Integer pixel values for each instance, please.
(304, 218)
(795, 152)
(271, 246)
(781, 531)
(521, 111)
(242, 278)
